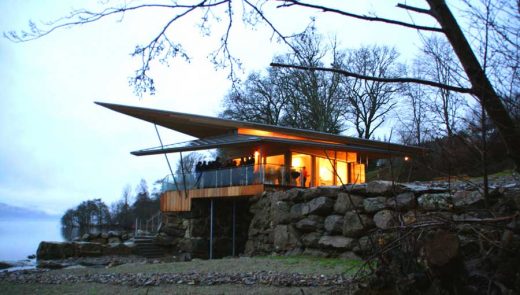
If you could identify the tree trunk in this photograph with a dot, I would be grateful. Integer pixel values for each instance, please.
(478, 79)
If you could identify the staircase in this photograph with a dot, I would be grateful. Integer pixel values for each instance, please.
(146, 247)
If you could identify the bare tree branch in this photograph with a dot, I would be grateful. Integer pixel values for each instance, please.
(289, 3)
(378, 79)
(415, 9)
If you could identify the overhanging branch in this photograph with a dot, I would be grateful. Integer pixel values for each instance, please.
(289, 3)
(378, 79)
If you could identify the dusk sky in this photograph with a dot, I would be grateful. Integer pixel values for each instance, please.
(57, 148)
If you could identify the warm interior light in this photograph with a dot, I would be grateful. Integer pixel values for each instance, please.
(296, 162)
(256, 132)
(406, 158)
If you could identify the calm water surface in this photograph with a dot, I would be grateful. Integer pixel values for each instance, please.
(21, 237)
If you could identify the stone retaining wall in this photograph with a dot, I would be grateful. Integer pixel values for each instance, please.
(335, 222)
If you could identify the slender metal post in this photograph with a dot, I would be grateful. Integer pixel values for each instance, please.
(211, 230)
(166, 156)
(183, 178)
(234, 227)
(135, 233)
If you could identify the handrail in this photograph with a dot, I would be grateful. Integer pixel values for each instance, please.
(236, 176)
(151, 225)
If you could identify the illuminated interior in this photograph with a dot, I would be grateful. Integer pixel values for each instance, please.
(325, 171)
(256, 132)
(341, 169)
(298, 162)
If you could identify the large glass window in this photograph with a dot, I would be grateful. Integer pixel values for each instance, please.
(341, 169)
(325, 171)
(301, 170)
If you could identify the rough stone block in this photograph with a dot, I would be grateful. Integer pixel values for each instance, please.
(384, 219)
(353, 226)
(298, 211)
(285, 238)
(337, 242)
(311, 240)
(402, 201)
(374, 204)
(435, 201)
(462, 199)
(380, 187)
(310, 223)
(321, 206)
(334, 224)
(344, 204)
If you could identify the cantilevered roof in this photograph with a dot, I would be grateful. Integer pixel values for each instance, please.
(217, 132)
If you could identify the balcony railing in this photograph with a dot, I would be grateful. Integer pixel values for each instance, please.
(234, 176)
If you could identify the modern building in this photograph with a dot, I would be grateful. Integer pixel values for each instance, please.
(255, 157)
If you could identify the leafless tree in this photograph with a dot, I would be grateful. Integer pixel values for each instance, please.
(414, 124)
(162, 47)
(259, 99)
(314, 97)
(369, 102)
(437, 63)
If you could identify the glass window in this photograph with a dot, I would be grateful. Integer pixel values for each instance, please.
(301, 170)
(325, 171)
(341, 169)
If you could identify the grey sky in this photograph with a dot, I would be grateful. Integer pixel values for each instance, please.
(58, 148)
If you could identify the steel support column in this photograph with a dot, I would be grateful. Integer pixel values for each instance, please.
(234, 228)
(211, 230)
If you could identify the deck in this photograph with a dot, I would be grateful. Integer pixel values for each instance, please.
(180, 201)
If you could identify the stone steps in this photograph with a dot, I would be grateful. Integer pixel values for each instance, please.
(147, 248)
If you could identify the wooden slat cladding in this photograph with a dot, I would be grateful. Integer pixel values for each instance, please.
(176, 201)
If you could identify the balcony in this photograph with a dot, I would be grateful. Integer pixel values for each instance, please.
(241, 181)
(270, 174)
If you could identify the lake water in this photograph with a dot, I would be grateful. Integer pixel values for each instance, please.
(21, 237)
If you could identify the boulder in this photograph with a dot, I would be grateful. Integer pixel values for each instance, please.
(435, 201)
(334, 224)
(311, 240)
(99, 240)
(384, 219)
(86, 249)
(118, 249)
(310, 194)
(114, 233)
(359, 188)
(114, 240)
(285, 238)
(295, 194)
(85, 237)
(345, 203)
(280, 212)
(321, 206)
(337, 242)
(310, 223)
(462, 199)
(104, 235)
(328, 191)
(353, 226)
(55, 250)
(298, 211)
(374, 204)
(402, 201)
(4, 265)
(380, 187)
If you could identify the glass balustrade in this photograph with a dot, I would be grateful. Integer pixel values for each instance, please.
(234, 176)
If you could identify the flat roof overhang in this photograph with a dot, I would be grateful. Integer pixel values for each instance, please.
(206, 128)
(241, 141)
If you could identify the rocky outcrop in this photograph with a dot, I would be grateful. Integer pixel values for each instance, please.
(62, 250)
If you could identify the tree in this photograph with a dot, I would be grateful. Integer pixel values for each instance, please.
(259, 99)
(162, 47)
(369, 102)
(122, 214)
(287, 97)
(437, 63)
